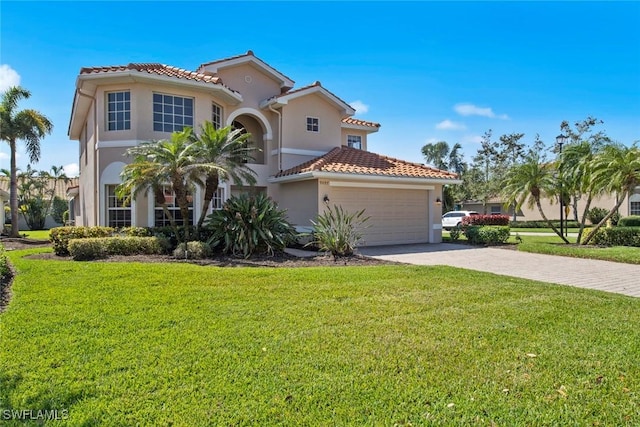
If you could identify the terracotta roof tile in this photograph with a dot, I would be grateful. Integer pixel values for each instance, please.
(154, 68)
(61, 187)
(346, 160)
(358, 122)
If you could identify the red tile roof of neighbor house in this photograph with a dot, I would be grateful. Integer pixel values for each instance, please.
(346, 160)
(61, 186)
(154, 68)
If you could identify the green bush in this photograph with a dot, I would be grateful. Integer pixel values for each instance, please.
(454, 234)
(338, 231)
(58, 208)
(135, 231)
(168, 234)
(629, 221)
(192, 250)
(485, 220)
(617, 236)
(60, 236)
(5, 270)
(487, 235)
(250, 224)
(100, 247)
(595, 215)
(542, 224)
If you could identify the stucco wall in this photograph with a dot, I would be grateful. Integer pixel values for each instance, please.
(300, 199)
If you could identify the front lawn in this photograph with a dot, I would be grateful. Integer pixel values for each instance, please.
(180, 344)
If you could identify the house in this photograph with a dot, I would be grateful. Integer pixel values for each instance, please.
(629, 206)
(312, 150)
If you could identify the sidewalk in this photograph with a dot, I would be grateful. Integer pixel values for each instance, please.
(584, 273)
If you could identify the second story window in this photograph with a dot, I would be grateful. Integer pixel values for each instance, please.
(171, 113)
(119, 110)
(313, 124)
(216, 116)
(354, 141)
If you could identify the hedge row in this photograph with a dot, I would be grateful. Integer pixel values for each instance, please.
(92, 248)
(485, 220)
(60, 236)
(629, 221)
(487, 235)
(615, 236)
(542, 224)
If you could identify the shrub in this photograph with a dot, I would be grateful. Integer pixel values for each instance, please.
(338, 231)
(487, 235)
(629, 221)
(58, 208)
(454, 234)
(485, 220)
(60, 236)
(169, 236)
(135, 231)
(93, 248)
(542, 224)
(192, 250)
(617, 236)
(5, 270)
(595, 215)
(250, 224)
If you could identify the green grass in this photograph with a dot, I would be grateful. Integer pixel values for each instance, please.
(541, 230)
(35, 234)
(186, 345)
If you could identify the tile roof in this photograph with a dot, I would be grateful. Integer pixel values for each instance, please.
(346, 160)
(358, 122)
(61, 187)
(249, 53)
(155, 68)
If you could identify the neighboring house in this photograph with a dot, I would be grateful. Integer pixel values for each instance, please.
(312, 151)
(4, 201)
(61, 189)
(630, 206)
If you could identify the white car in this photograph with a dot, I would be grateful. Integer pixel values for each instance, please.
(454, 218)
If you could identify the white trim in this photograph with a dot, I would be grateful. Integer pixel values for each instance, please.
(298, 152)
(359, 127)
(437, 226)
(117, 144)
(110, 176)
(355, 177)
(317, 123)
(268, 135)
(380, 185)
(284, 99)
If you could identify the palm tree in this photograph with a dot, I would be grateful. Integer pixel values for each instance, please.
(163, 163)
(221, 154)
(57, 174)
(529, 182)
(616, 169)
(27, 125)
(440, 156)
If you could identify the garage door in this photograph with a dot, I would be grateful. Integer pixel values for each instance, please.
(396, 215)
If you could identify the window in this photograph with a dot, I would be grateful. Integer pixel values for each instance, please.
(218, 199)
(634, 208)
(161, 220)
(216, 116)
(119, 110)
(496, 210)
(171, 113)
(118, 215)
(313, 124)
(354, 141)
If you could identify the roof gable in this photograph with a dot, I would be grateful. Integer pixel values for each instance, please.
(315, 88)
(248, 58)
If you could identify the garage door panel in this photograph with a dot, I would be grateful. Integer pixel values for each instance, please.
(396, 215)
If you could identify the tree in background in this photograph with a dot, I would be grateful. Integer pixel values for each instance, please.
(442, 157)
(29, 126)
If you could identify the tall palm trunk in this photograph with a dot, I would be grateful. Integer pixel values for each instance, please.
(13, 190)
(549, 223)
(584, 217)
(604, 220)
(211, 186)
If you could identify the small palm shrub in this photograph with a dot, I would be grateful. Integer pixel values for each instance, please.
(248, 225)
(192, 250)
(595, 215)
(338, 231)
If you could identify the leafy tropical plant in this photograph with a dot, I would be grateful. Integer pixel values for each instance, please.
(221, 155)
(157, 164)
(29, 126)
(338, 231)
(595, 215)
(250, 224)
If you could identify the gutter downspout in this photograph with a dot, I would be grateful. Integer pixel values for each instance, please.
(96, 188)
(279, 136)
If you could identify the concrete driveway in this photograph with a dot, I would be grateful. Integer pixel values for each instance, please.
(584, 273)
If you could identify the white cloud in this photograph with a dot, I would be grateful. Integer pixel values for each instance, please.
(475, 139)
(473, 110)
(449, 125)
(4, 156)
(359, 106)
(8, 77)
(72, 170)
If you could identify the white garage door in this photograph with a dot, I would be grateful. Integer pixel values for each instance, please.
(396, 215)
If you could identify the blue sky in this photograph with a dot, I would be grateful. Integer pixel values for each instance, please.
(427, 71)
